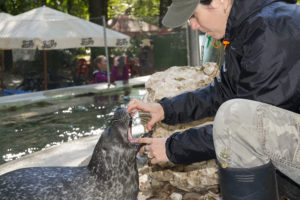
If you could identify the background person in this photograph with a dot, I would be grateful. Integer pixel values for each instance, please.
(120, 70)
(248, 138)
(100, 73)
(133, 64)
(82, 72)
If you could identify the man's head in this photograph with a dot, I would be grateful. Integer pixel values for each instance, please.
(208, 16)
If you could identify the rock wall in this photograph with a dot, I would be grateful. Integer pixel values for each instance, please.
(176, 80)
(179, 182)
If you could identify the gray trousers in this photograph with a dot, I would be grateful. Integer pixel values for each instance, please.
(249, 134)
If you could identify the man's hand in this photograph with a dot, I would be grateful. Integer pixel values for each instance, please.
(155, 149)
(155, 109)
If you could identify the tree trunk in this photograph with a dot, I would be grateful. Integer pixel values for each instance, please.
(163, 7)
(2, 6)
(44, 2)
(69, 5)
(8, 59)
(97, 9)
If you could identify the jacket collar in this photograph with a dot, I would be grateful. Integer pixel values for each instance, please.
(243, 9)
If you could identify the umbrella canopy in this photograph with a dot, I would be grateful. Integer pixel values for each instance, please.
(4, 16)
(47, 29)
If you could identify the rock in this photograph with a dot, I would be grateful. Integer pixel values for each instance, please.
(144, 170)
(155, 184)
(169, 181)
(197, 196)
(176, 196)
(195, 180)
(175, 80)
(142, 196)
(162, 175)
(192, 196)
(145, 182)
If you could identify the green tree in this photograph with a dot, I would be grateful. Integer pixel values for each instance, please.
(78, 8)
(146, 10)
(17, 6)
(97, 9)
(163, 7)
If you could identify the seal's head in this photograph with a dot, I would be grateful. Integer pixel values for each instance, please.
(116, 142)
(120, 129)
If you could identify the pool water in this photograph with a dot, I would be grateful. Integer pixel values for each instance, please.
(31, 128)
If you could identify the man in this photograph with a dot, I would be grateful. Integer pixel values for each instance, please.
(257, 128)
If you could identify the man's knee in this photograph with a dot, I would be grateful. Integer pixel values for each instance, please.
(230, 112)
(225, 123)
(235, 130)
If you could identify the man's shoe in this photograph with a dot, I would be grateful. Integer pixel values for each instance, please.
(257, 183)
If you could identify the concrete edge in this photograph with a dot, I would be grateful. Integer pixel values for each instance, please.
(29, 98)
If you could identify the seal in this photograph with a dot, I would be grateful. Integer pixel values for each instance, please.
(110, 175)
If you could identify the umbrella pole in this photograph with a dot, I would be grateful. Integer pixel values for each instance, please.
(2, 70)
(106, 51)
(45, 71)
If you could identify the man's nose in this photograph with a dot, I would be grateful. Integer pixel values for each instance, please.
(194, 25)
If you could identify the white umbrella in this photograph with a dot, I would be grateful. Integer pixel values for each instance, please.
(3, 17)
(47, 29)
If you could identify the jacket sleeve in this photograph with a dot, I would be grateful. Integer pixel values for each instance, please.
(192, 145)
(197, 104)
(195, 144)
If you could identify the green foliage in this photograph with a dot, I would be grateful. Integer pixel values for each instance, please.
(78, 8)
(146, 10)
(18, 6)
(117, 7)
(56, 60)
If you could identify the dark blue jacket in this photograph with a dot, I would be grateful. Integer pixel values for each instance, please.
(262, 63)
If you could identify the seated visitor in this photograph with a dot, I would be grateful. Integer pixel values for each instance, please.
(120, 70)
(100, 73)
(82, 71)
(133, 65)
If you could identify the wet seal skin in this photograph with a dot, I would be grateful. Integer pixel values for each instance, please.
(111, 174)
